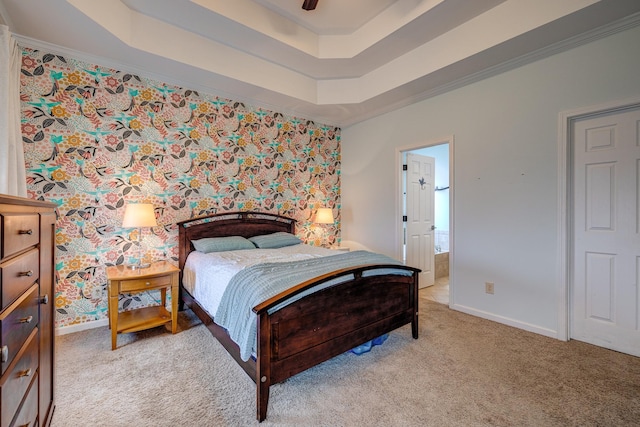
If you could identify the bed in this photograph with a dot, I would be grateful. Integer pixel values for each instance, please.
(330, 314)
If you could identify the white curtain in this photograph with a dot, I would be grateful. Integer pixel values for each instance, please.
(13, 179)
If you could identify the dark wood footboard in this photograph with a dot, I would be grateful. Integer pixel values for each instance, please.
(329, 322)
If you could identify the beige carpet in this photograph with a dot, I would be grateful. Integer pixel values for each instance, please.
(462, 371)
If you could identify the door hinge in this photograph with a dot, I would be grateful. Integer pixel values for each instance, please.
(404, 218)
(404, 167)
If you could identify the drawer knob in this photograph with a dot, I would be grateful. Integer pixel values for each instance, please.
(26, 373)
(25, 232)
(5, 353)
(147, 284)
(26, 273)
(26, 319)
(44, 299)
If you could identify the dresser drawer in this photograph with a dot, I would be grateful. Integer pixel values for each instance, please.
(17, 274)
(19, 231)
(17, 322)
(142, 284)
(28, 414)
(15, 382)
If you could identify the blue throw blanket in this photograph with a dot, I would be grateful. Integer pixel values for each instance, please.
(256, 284)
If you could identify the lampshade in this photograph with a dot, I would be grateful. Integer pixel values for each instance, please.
(324, 216)
(139, 215)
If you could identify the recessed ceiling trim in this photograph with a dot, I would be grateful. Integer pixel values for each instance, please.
(252, 15)
(114, 17)
(159, 38)
(163, 39)
(259, 18)
(469, 38)
(381, 26)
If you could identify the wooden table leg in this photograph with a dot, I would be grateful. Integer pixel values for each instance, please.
(113, 314)
(163, 297)
(175, 296)
(109, 302)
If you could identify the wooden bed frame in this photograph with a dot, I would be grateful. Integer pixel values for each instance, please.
(315, 328)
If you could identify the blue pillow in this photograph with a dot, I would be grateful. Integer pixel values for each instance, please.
(275, 240)
(219, 244)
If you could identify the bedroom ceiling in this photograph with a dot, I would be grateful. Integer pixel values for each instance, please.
(341, 63)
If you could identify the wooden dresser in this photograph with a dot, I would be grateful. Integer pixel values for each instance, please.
(27, 286)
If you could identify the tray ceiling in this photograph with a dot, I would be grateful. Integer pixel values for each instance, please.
(343, 62)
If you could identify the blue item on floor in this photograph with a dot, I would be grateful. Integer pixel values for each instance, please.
(366, 347)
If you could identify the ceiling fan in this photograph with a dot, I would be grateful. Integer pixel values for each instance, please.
(309, 4)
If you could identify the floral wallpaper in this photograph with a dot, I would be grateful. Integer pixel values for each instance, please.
(96, 139)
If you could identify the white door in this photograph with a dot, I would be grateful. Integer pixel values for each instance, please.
(420, 197)
(606, 226)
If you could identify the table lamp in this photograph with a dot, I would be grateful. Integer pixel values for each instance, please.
(324, 216)
(138, 215)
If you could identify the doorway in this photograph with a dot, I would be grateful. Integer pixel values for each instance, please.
(419, 227)
(442, 289)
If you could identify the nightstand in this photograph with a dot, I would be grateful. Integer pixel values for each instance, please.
(159, 276)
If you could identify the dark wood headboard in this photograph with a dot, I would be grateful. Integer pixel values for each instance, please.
(245, 224)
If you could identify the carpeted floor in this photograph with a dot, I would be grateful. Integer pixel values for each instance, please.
(462, 371)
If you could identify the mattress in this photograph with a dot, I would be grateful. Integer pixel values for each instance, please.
(206, 276)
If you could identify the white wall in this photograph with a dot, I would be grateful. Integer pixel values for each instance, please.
(505, 174)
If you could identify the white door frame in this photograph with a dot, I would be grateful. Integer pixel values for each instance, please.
(399, 230)
(565, 214)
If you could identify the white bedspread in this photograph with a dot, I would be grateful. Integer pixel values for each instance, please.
(206, 276)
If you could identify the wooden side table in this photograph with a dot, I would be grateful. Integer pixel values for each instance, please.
(160, 275)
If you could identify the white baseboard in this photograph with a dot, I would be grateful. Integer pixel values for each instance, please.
(507, 321)
(469, 310)
(82, 327)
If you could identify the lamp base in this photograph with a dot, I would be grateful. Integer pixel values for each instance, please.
(138, 266)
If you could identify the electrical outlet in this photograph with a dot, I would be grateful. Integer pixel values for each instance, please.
(488, 287)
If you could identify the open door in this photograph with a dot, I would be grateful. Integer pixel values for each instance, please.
(420, 216)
